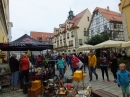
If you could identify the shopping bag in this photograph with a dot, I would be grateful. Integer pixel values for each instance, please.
(79, 64)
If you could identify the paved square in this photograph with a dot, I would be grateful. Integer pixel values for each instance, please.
(96, 84)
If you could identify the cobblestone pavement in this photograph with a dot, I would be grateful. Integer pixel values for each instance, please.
(96, 84)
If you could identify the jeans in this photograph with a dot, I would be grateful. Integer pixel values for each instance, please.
(104, 69)
(61, 72)
(92, 70)
(14, 78)
(25, 74)
(84, 66)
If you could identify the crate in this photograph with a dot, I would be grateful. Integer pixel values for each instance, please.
(36, 84)
(35, 92)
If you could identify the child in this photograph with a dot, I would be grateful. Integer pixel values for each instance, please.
(123, 80)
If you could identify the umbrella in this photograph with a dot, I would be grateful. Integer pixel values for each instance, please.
(109, 43)
(85, 47)
(126, 44)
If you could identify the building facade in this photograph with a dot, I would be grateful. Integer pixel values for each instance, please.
(44, 37)
(4, 19)
(73, 33)
(124, 8)
(106, 21)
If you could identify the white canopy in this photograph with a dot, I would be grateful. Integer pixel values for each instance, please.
(85, 47)
(126, 44)
(109, 43)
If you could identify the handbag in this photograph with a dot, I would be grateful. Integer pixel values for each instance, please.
(79, 64)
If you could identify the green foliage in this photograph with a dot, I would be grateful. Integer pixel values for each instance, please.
(97, 39)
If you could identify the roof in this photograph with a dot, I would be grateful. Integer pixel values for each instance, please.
(35, 35)
(110, 15)
(76, 19)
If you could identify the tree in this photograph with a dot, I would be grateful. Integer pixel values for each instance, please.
(98, 39)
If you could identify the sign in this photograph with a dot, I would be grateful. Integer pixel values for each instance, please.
(17, 44)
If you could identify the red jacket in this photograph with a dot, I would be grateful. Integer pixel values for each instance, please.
(74, 61)
(24, 64)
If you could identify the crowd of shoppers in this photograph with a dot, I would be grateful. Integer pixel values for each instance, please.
(89, 63)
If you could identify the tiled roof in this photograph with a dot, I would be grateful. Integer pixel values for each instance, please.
(35, 35)
(110, 15)
(76, 19)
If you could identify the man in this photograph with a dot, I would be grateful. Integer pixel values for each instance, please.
(92, 60)
(14, 67)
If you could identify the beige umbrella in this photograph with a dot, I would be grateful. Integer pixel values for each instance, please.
(85, 47)
(109, 43)
(126, 44)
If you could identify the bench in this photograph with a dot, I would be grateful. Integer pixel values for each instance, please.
(102, 93)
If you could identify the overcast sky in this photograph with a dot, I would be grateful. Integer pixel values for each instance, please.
(44, 15)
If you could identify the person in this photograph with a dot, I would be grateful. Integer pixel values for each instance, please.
(123, 80)
(74, 60)
(39, 60)
(85, 61)
(61, 66)
(82, 60)
(113, 65)
(24, 65)
(103, 65)
(92, 60)
(47, 61)
(14, 67)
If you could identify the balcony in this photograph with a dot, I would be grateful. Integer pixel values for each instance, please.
(80, 43)
(67, 37)
(60, 39)
(57, 40)
(70, 45)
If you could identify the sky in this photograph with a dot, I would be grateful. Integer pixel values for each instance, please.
(45, 15)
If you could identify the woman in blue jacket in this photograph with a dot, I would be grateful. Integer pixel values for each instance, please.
(61, 66)
(123, 78)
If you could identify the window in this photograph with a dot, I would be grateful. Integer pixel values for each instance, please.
(72, 33)
(92, 32)
(39, 39)
(67, 34)
(85, 33)
(114, 26)
(64, 36)
(80, 41)
(98, 30)
(71, 42)
(97, 21)
(47, 38)
(60, 37)
(88, 19)
(96, 12)
(105, 27)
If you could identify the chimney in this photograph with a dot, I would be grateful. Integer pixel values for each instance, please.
(108, 8)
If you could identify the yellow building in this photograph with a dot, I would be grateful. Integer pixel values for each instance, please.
(4, 19)
(124, 8)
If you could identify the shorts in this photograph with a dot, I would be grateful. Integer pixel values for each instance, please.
(125, 89)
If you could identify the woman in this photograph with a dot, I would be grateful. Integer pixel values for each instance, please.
(103, 65)
(24, 66)
(74, 60)
(113, 65)
(39, 61)
(61, 66)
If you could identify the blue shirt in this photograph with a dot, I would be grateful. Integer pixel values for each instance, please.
(123, 78)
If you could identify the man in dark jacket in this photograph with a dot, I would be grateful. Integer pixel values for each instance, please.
(14, 67)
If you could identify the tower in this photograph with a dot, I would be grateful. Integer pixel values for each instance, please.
(71, 15)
